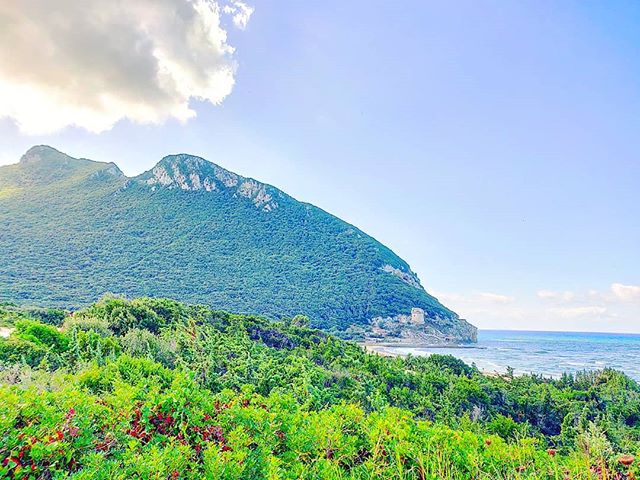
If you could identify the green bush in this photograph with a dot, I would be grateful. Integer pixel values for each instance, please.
(156, 389)
(143, 343)
(85, 324)
(42, 335)
(505, 427)
(17, 350)
(50, 316)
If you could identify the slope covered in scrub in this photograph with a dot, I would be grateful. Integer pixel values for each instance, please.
(153, 388)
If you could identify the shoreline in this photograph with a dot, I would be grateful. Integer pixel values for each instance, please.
(380, 350)
(374, 345)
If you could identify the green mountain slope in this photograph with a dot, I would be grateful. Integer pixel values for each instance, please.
(73, 229)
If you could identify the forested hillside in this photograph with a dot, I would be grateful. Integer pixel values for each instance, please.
(74, 229)
(158, 389)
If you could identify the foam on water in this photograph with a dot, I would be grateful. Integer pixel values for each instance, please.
(546, 353)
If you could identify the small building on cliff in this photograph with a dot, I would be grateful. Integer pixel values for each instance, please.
(417, 316)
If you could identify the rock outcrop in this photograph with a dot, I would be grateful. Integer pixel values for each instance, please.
(191, 173)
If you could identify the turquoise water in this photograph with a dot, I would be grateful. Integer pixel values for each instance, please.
(547, 353)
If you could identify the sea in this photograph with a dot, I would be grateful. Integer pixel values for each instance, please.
(546, 353)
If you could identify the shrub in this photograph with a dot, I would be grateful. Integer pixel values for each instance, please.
(41, 334)
(142, 343)
(504, 427)
(92, 346)
(188, 392)
(50, 316)
(17, 350)
(451, 364)
(82, 323)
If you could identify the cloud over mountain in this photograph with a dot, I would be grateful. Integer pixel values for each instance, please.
(93, 63)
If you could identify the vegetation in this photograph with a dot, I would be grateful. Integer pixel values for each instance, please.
(157, 389)
(10, 313)
(86, 219)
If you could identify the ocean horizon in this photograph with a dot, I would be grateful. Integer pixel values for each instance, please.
(547, 353)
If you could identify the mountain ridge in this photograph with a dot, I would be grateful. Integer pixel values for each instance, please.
(239, 243)
(193, 173)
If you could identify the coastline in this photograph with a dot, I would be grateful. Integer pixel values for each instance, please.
(380, 349)
(546, 354)
(418, 345)
(383, 348)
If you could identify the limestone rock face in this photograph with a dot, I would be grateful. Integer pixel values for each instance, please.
(419, 329)
(191, 173)
(409, 277)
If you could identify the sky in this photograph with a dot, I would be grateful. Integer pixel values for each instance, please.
(492, 144)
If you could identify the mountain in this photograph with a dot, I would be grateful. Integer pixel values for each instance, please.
(74, 229)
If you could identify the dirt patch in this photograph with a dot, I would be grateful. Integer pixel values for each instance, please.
(5, 331)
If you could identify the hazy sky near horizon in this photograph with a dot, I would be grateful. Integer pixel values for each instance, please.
(494, 145)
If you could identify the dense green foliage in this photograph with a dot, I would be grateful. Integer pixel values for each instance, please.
(154, 388)
(11, 313)
(74, 229)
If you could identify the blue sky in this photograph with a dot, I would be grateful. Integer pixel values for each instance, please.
(493, 145)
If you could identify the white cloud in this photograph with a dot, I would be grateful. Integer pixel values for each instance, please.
(447, 297)
(576, 312)
(241, 13)
(478, 303)
(495, 298)
(626, 293)
(565, 296)
(91, 63)
(616, 293)
(616, 308)
(484, 308)
(486, 298)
